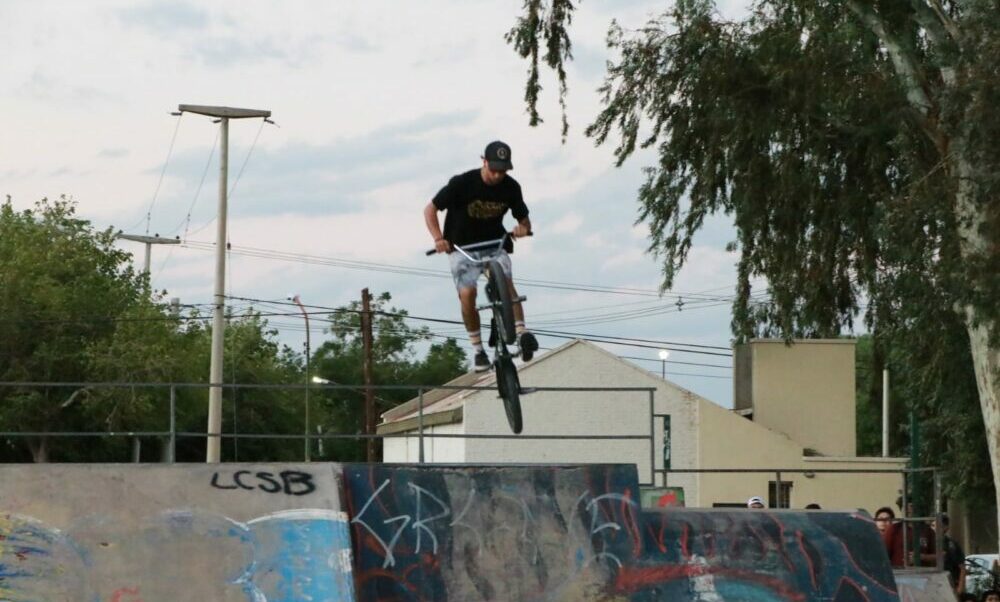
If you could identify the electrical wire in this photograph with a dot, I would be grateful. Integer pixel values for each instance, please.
(159, 183)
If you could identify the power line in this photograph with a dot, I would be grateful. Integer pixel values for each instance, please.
(170, 151)
(610, 339)
(434, 273)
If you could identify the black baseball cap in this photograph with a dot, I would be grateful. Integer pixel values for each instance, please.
(497, 155)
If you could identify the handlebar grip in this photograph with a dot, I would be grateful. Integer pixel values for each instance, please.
(431, 252)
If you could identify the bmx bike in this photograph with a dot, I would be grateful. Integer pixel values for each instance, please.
(502, 329)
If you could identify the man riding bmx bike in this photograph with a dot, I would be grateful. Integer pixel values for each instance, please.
(475, 203)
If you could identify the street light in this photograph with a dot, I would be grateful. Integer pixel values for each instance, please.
(664, 354)
(295, 299)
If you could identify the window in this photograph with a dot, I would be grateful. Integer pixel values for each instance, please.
(666, 442)
(779, 495)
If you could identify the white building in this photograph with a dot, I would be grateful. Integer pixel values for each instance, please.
(700, 435)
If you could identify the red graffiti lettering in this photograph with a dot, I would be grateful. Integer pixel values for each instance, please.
(131, 592)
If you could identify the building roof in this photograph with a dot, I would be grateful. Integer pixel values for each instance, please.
(447, 399)
(444, 405)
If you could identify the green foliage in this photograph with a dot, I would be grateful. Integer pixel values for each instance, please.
(544, 21)
(76, 312)
(62, 286)
(395, 362)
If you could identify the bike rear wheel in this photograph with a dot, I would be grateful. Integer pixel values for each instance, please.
(498, 291)
(510, 391)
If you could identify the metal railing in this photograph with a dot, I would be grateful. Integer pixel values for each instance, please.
(172, 434)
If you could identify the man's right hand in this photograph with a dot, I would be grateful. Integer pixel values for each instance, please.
(442, 245)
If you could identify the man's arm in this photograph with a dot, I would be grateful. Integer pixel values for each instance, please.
(434, 227)
(523, 227)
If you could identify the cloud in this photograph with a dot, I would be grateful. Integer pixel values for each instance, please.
(113, 153)
(42, 87)
(567, 225)
(165, 18)
(338, 177)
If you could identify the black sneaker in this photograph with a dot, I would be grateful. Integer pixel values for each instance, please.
(528, 345)
(481, 362)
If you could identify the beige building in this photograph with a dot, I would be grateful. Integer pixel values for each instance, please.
(794, 416)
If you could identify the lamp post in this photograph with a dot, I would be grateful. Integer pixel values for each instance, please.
(319, 380)
(664, 354)
(295, 299)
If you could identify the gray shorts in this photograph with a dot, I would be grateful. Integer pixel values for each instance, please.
(466, 273)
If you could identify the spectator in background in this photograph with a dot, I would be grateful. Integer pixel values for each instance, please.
(954, 557)
(883, 518)
(967, 598)
(990, 595)
(919, 542)
(755, 502)
(813, 506)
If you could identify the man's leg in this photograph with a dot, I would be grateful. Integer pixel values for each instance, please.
(525, 340)
(470, 316)
(466, 276)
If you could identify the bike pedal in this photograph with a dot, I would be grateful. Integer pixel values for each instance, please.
(519, 299)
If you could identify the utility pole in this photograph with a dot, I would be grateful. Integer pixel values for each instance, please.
(149, 242)
(305, 314)
(224, 114)
(366, 340)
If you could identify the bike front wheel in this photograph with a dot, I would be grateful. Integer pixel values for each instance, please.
(510, 391)
(498, 292)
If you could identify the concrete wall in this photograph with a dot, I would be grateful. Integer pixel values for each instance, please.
(485, 533)
(152, 533)
(806, 391)
(577, 534)
(124, 533)
(445, 450)
(757, 556)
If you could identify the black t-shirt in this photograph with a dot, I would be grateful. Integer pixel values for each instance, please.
(954, 558)
(475, 210)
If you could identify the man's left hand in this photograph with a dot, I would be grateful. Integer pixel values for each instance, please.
(520, 230)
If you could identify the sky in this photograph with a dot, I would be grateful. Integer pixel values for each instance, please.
(375, 105)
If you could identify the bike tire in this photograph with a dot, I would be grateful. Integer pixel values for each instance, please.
(501, 293)
(509, 386)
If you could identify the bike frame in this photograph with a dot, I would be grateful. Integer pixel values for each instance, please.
(495, 246)
(502, 329)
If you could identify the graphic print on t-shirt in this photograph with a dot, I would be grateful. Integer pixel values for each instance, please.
(479, 209)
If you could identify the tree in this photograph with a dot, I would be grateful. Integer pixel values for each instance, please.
(931, 375)
(74, 311)
(395, 362)
(853, 142)
(62, 286)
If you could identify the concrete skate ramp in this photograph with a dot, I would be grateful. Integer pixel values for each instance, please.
(279, 533)
(923, 585)
(151, 533)
(689, 554)
(577, 533)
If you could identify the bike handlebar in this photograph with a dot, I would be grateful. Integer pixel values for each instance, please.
(506, 234)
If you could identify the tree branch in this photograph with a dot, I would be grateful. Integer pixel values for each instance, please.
(942, 33)
(930, 22)
(72, 397)
(946, 21)
(903, 61)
